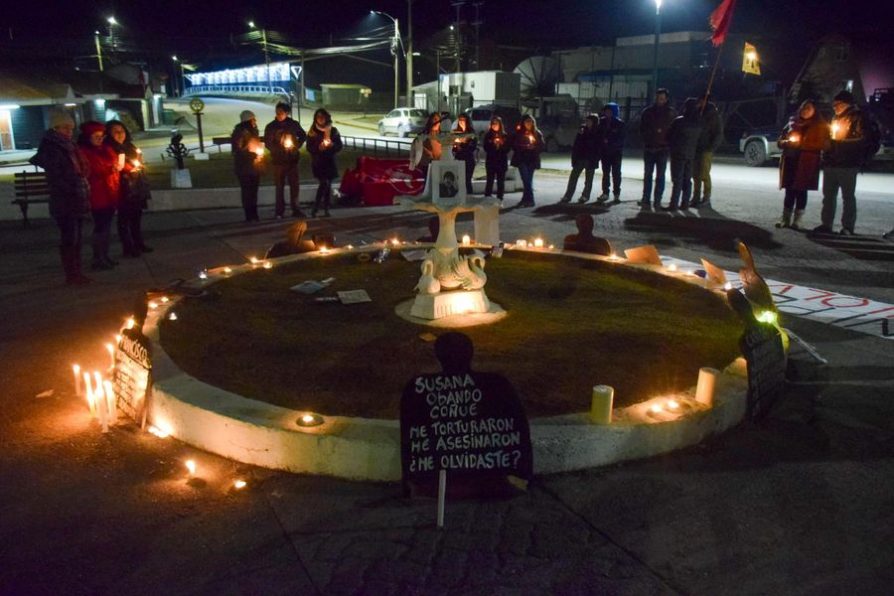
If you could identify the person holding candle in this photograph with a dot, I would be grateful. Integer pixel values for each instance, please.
(69, 191)
(248, 160)
(802, 141)
(612, 131)
(584, 158)
(496, 149)
(135, 191)
(427, 148)
(323, 142)
(527, 144)
(464, 145)
(283, 138)
(841, 164)
(104, 177)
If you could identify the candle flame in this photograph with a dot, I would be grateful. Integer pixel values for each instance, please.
(307, 418)
(130, 323)
(172, 316)
(466, 240)
(190, 466)
(153, 305)
(227, 270)
(672, 404)
(538, 242)
(656, 408)
(268, 265)
(728, 286)
(110, 349)
(165, 299)
(254, 260)
(672, 267)
(239, 484)
(159, 432)
(76, 368)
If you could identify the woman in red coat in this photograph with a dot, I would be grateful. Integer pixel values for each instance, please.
(104, 177)
(802, 142)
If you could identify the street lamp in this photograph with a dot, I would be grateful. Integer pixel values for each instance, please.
(182, 87)
(395, 51)
(252, 25)
(655, 55)
(112, 24)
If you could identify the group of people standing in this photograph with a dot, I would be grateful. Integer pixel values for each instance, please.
(599, 140)
(283, 139)
(98, 175)
(525, 144)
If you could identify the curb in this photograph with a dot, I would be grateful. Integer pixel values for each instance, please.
(265, 435)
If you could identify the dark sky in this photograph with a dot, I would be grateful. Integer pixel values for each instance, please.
(183, 24)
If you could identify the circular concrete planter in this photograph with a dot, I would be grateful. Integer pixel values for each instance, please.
(265, 435)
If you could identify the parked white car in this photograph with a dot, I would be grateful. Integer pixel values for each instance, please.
(403, 121)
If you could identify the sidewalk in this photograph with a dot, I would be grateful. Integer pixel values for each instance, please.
(799, 504)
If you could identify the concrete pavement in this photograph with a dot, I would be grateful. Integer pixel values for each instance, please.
(800, 504)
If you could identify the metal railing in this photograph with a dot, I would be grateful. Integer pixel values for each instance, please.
(376, 145)
(234, 89)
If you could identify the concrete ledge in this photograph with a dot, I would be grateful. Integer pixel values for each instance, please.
(265, 435)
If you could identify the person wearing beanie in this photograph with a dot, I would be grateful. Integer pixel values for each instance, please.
(841, 164)
(611, 146)
(248, 159)
(802, 141)
(135, 192)
(104, 176)
(69, 192)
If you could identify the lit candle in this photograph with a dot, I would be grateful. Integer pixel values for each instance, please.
(728, 286)
(111, 350)
(704, 390)
(521, 243)
(531, 139)
(395, 241)
(76, 369)
(227, 270)
(130, 323)
(673, 404)
(601, 404)
(121, 158)
(152, 304)
(239, 484)
(254, 260)
(139, 151)
(268, 265)
(794, 138)
(203, 275)
(259, 153)
(136, 164)
(111, 401)
(538, 242)
(172, 316)
(190, 466)
(326, 142)
(102, 406)
(88, 384)
(287, 142)
(672, 267)
(835, 128)
(324, 250)
(165, 299)
(466, 240)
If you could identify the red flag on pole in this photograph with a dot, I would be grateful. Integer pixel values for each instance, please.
(720, 21)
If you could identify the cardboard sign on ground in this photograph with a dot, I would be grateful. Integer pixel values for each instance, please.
(647, 255)
(470, 424)
(133, 373)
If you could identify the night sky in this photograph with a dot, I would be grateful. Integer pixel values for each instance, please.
(202, 25)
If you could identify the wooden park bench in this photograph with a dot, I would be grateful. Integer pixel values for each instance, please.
(30, 188)
(219, 141)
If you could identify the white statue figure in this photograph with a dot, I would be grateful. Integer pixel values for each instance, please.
(427, 283)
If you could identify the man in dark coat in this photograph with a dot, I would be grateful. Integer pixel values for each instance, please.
(69, 191)
(584, 157)
(611, 132)
(841, 164)
(283, 138)
(710, 139)
(654, 123)
(247, 158)
(683, 138)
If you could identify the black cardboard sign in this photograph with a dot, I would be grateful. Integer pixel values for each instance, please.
(761, 345)
(470, 424)
(133, 373)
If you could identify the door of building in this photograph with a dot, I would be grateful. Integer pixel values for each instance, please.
(6, 139)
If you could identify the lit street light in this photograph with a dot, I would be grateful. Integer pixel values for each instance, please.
(112, 24)
(657, 36)
(252, 25)
(182, 86)
(395, 51)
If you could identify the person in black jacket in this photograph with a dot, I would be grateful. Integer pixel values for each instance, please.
(69, 192)
(323, 142)
(248, 156)
(527, 144)
(464, 145)
(654, 123)
(283, 138)
(710, 139)
(135, 192)
(584, 157)
(497, 144)
(611, 131)
(841, 164)
(683, 139)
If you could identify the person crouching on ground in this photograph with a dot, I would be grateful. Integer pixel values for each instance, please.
(104, 168)
(496, 149)
(66, 172)
(584, 157)
(527, 144)
(248, 160)
(612, 131)
(323, 142)
(802, 140)
(464, 145)
(283, 138)
(135, 192)
(683, 139)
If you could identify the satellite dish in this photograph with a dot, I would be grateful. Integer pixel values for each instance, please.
(539, 75)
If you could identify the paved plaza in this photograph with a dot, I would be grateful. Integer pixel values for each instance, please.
(799, 504)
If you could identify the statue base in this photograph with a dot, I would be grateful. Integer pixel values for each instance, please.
(445, 304)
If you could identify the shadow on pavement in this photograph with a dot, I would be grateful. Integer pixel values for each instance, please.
(706, 227)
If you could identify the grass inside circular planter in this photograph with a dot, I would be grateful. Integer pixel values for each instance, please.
(572, 324)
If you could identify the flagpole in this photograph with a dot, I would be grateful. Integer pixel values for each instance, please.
(713, 74)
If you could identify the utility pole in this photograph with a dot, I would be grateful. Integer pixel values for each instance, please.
(477, 24)
(410, 53)
(395, 49)
(267, 60)
(98, 58)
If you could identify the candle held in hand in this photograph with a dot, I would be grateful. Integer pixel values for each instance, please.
(794, 138)
(288, 143)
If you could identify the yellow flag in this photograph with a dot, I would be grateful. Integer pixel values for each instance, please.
(750, 60)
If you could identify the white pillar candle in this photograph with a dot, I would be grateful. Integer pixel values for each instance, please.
(466, 240)
(538, 242)
(601, 404)
(707, 380)
(91, 401)
(111, 350)
(111, 401)
(101, 404)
